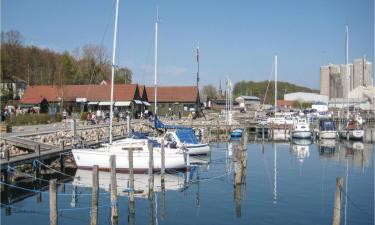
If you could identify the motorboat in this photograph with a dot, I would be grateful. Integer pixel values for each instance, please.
(327, 129)
(185, 138)
(301, 129)
(281, 119)
(86, 158)
(353, 130)
(236, 133)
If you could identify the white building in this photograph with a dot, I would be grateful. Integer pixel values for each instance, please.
(248, 101)
(305, 97)
(359, 103)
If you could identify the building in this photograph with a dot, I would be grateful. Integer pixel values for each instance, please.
(305, 97)
(174, 99)
(353, 103)
(127, 97)
(12, 89)
(286, 104)
(249, 102)
(337, 81)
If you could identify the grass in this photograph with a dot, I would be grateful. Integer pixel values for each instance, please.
(33, 119)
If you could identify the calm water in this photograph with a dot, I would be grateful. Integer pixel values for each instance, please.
(284, 184)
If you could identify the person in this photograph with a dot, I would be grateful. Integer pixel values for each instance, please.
(64, 114)
(146, 113)
(179, 114)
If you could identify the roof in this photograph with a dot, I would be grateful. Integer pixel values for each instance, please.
(173, 94)
(122, 92)
(35, 93)
(285, 102)
(249, 98)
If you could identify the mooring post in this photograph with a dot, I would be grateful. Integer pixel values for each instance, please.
(337, 207)
(151, 168)
(38, 149)
(52, 202)
(162, 161)
(131, 213)
(372, 136)
(131, 174)
(94, 198)
(74, 196)
(112, 161)
(128, 123)
(262, 132)
(238, 166)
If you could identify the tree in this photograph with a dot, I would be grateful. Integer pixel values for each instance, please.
(209, 91)
(123, 76)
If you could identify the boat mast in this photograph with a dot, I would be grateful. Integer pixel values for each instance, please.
(275, 84)
(113, 75)
(156, 63)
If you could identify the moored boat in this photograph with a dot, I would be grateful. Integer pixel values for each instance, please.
(301, 129)
(327, 129)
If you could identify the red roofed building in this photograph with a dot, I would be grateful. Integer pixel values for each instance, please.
(86, 97)
(177, 98)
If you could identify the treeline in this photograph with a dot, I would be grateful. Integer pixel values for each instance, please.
(37, 66)
(259, 89)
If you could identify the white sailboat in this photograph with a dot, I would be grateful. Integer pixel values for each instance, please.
(86, 158)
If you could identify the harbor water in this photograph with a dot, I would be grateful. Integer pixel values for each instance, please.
(282, 183)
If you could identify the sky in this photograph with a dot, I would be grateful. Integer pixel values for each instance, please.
(238, 39)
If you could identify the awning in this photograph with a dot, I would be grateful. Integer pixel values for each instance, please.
(123, 103)
(104, 103)
(81, 99)
(138, 102)
(146, 103)
(93, 103)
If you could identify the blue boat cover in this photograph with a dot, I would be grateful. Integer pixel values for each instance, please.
(159, 125)
(187, 136)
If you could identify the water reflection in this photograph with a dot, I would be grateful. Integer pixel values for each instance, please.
(360, 153)
(301, 148)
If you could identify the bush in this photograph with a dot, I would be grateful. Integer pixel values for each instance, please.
(34, 119)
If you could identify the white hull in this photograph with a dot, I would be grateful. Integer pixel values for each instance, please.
(87, 158)
(301, 134)
(199, 149)
(327, 134)
(356, 134)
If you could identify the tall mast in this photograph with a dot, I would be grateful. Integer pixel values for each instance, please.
(198, 66)
(275, 84)
(347, 45)
(113, 75)
(156, 63)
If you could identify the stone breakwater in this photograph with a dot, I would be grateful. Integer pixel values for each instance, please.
(13, 150)
(87, 135)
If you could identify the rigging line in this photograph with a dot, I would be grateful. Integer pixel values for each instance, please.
(36, 160)
(101, 45)
(269, 81)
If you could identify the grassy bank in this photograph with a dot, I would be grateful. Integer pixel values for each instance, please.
(33, 119)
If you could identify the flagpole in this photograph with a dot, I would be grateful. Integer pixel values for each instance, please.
(156, 64)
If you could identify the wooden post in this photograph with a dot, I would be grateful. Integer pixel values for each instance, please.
(131, 174)
(112, 161)
(7, 154)
(63, 145)
(262, 132)
(74, 197)
(94, 198)
(238, 166)
(131, 213)
(38, 149)
(151, 169)
(52, 202)
(337, 206)
(128, 123)
(162, 160)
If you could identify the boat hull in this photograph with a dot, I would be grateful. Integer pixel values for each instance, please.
(199, 149)
(327, 134)
(301, 134)
(86, 159)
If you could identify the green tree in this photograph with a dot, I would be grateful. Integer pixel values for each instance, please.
(123, 76)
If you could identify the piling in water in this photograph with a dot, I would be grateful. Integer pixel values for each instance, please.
(338, 198)
(131, 174)
(112, 161)
(52, 202)
(94, 198)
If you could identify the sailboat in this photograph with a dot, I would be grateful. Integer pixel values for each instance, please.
(86, 158)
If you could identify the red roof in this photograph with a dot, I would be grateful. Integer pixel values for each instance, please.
(122, 92)
(285, 103)
(35, 94)
(173, 94)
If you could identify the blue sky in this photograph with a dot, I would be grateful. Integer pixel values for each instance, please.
(238, 39)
